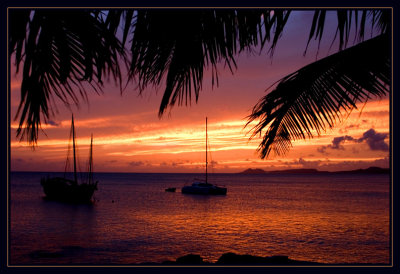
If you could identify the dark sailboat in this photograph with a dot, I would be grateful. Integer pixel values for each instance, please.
(67, 190)
(204, 187)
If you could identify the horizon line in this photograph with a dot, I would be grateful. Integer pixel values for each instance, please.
(240, 172)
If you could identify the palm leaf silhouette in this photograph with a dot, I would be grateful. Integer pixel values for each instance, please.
(64, 52)
(311, 99)
(60, 54)
(179, 44)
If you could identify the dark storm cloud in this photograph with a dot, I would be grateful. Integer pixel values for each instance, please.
(336, 144)
(375, 141)
(337, 141)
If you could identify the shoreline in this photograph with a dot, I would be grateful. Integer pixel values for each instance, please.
(225, 259)
(231, 258)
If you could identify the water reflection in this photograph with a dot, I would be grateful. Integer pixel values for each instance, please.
(321, 223)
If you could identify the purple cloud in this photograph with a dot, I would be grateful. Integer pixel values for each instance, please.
(375, 140)
(337, 141)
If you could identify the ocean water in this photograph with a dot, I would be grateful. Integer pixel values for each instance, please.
(321, 218)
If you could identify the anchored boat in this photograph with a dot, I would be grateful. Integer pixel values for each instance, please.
(204, 187)
(69, 190)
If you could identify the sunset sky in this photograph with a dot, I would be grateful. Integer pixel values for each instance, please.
(129, 136)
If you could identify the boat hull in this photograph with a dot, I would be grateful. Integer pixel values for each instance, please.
(64, 190)
(204, 190)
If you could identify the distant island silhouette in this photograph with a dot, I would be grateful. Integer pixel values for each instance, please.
(370, 170)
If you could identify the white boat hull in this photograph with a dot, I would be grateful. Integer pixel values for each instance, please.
(204, 189)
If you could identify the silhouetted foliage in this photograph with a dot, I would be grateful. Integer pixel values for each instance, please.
(61, 50)
(180, 44)
(314, 97)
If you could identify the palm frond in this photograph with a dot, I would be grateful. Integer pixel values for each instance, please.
(63, 50)
(312, 99)
(18, 21)
(379, 19)
(62, 53)
(181, 44)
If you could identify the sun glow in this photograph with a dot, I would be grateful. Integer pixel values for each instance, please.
(131, 138)
(162, 146)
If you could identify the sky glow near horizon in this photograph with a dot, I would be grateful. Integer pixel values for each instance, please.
(129, 136)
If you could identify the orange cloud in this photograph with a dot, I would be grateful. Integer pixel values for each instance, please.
(158, 142)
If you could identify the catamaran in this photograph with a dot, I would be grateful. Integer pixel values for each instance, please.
(204, 187)
(67, 190)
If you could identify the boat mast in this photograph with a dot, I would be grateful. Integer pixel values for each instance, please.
(206, 152)
(91, 160)
(73, 147)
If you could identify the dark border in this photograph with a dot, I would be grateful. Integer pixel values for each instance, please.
(5, 136)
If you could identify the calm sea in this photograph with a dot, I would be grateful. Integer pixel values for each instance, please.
(321, 218)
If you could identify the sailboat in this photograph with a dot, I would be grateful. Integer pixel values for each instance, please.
(67, 190)
(204, 187)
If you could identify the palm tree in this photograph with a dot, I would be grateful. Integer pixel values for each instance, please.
(61, 53)
(306, 102)
(60, 50)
